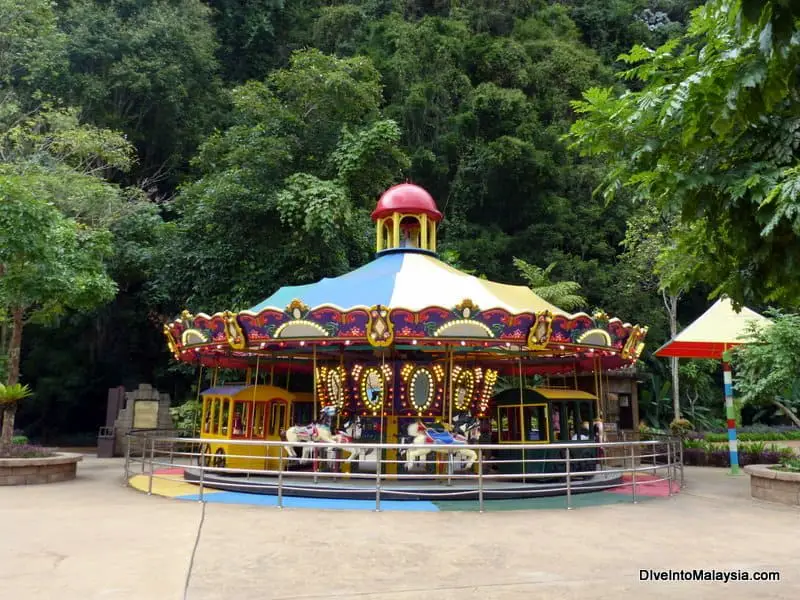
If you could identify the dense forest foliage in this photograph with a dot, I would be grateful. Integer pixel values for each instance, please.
(218, 150)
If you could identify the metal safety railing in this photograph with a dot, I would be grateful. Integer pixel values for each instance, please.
(471, 471)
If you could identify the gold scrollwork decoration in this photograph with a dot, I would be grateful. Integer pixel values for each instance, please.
(380, 330)
(297, 309)
(172, 343)
(466, 308)
(539, 335)
(233, 331)
(633, 345)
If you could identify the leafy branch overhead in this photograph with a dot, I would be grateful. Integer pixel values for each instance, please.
(767, 366)
(711, 132)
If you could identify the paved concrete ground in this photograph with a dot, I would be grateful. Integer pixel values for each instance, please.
(95, 539)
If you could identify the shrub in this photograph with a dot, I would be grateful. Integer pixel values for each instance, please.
(19, 440)
(700, 453)
(680, 427)
(756, 436)
(790, 464)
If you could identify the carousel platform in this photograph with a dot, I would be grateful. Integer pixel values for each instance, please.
(303, 485)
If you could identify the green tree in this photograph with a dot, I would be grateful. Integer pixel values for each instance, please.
(56, 218)
(49, 263)
(291, 179)
(564, 294)
(147, 68)
(651, 267)
(767, 365)
(710, 136)
(32, 49)
(702, 392)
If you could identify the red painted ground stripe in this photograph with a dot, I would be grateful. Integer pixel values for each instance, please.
(173, 471)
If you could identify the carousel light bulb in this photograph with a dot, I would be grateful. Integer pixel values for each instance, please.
(463, 343)
(413, 342)
(347, 342)
(302, 343)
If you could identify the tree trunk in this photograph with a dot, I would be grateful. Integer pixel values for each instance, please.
(692, 404)
(671, 304)
(787, 411)
(10, 409)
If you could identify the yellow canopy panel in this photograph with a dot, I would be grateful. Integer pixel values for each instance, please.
(562, 394)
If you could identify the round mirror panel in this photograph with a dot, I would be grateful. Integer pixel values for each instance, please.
(335, 388)
(465, 386)
(372, 388)
(421, 389)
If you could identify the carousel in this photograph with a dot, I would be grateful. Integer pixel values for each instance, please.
(403, 349)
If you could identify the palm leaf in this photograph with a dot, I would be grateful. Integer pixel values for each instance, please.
(10, 394)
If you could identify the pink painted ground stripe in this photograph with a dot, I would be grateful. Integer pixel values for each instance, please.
(172, 471)
(646, 485)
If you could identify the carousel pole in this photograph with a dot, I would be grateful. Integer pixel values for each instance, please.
(383, 399)
(597, 385)
(195, 424)
(272, 369)
(344, 395)
(523, 425)
(315, 380)
(255, 385)
(450, 389)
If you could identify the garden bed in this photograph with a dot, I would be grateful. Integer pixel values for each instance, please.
(774, 485)
(61, 466)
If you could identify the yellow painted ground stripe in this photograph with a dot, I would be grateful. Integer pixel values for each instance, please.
(169, 486)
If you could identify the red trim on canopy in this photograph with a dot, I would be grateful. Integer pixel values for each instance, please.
(677, 349)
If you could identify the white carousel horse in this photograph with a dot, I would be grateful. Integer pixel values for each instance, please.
(313, 432)
(351, 432)
(443, 442)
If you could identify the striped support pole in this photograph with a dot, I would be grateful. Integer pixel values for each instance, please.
(731, 415)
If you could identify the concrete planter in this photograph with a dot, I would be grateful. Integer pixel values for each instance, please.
(23, 471)
(774, 486)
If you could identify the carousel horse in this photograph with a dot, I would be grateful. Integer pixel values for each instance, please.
(442, 441)
(350, 433)
(313, 432)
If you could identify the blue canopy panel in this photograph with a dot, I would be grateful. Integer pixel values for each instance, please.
(369, 285)
(225, 390)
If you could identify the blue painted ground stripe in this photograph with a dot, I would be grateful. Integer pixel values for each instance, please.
(317, 503)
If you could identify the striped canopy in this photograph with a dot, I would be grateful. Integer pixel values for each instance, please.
(713, 333)
(409, 280)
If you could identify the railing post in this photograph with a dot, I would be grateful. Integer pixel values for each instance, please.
(568, 469)
(314, 463)
(450, 458)
(152, 455)
(680, 446)
(201, 496)
(633, 468)
(144, 451)
(127, 459)
(280, 477)
(669, 467)
(480, 479)
(378, 480)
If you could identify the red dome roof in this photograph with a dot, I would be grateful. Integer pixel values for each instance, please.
(406, 198)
